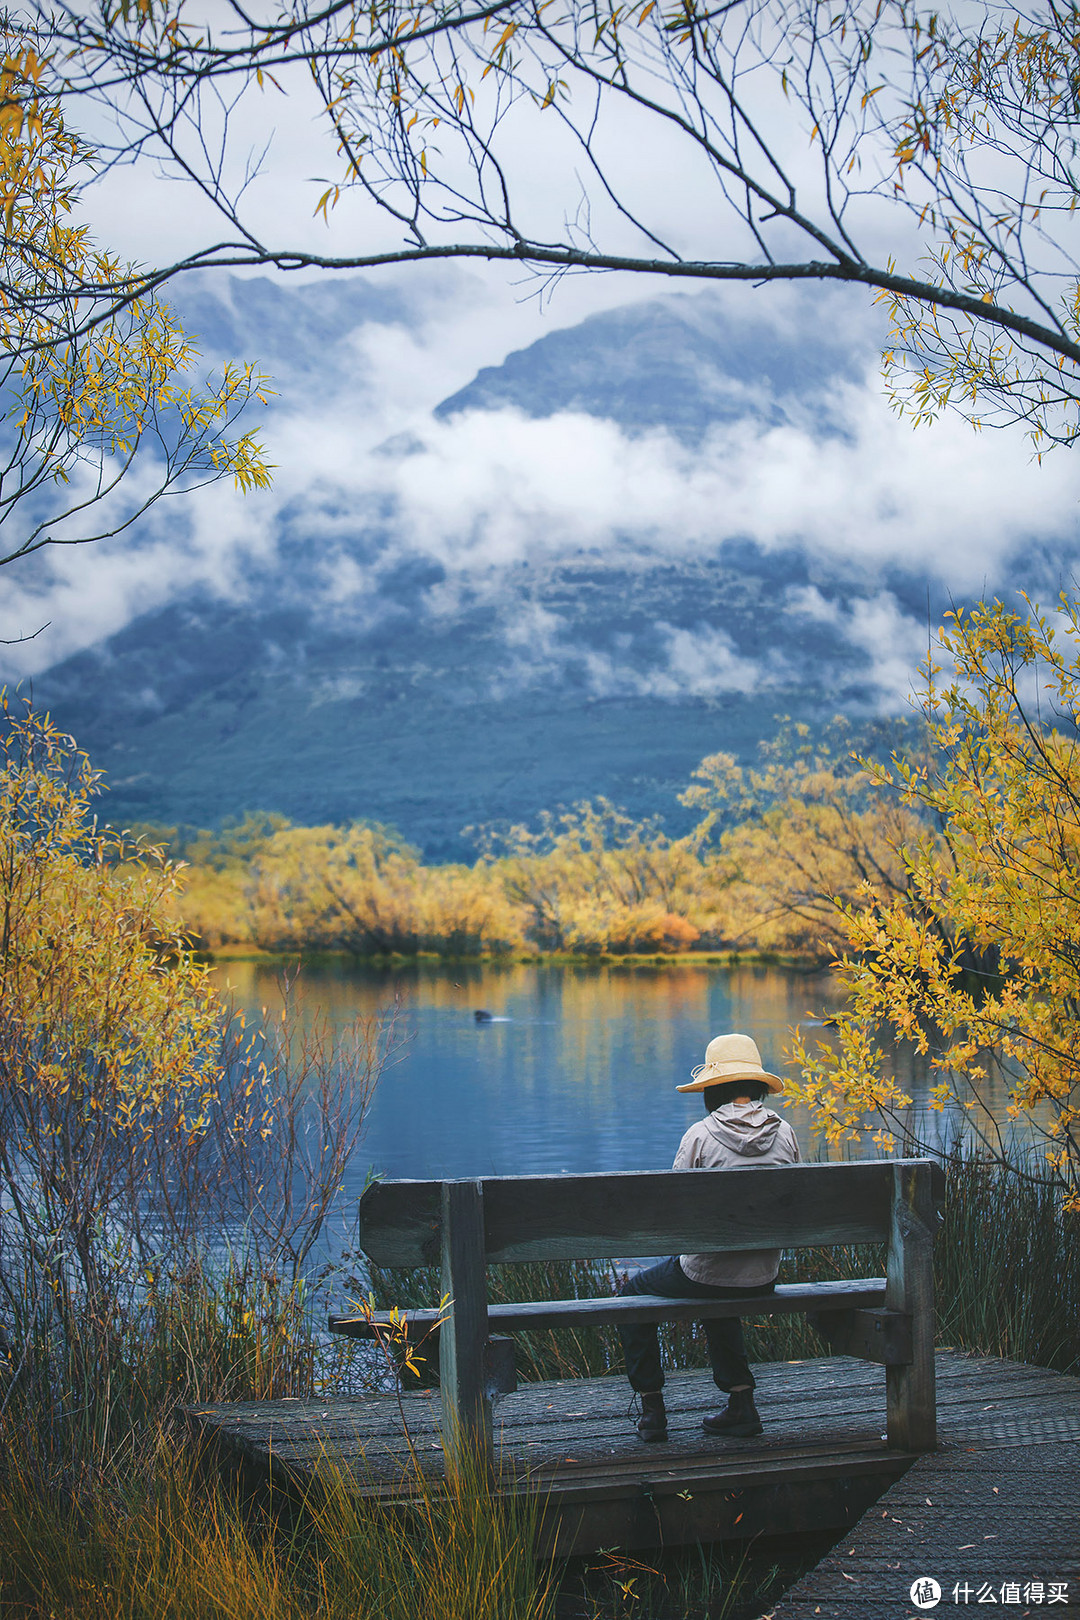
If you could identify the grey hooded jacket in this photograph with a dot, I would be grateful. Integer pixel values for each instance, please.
(737, 1136)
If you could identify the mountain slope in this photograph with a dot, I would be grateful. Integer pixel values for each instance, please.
(680, 363)
(203, 710)
(462, 683)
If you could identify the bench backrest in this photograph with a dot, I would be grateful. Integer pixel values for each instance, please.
(611, 1215)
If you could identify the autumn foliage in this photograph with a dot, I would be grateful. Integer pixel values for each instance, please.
(779, 847)
(801, 834)
(589, 880)
(977, 963)
(95, 372)
(164, 1172)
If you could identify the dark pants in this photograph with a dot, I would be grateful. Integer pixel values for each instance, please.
(723, 1335)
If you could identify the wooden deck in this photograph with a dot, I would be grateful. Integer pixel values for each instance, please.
(820, 1465)
(993, 1517)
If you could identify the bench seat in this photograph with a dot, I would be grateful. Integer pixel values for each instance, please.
(866, 1294)
(852, 1316)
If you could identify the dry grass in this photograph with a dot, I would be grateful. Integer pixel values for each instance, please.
(160, 1539)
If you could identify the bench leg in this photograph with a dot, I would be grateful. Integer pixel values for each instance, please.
(911, 1398)
(466, 1405)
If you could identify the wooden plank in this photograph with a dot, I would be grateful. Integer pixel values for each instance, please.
(909, 1386)
(787, 1299)
(685, 1211)
(573, 1442)
(400, 1223)
(466, 1404)
(500, 1368)
(968, 1517)
(676, 1467)
(609, 1215)
(651, 1514)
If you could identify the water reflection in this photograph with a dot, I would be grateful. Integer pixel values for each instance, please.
(575, 1071)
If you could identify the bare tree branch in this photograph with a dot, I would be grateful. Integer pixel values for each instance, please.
(805, 138)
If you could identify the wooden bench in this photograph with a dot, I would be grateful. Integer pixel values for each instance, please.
(464, 1226)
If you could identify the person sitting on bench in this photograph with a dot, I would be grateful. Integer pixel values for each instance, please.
(737, 1133)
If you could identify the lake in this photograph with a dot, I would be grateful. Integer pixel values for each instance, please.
(577, 1069)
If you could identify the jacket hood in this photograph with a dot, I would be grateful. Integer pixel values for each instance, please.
(749, 1131)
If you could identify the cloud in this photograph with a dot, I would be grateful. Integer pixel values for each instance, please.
(496, 487)
(669, 662)
(86, 593)
(703, 662)
(369, 481)
(893, 640)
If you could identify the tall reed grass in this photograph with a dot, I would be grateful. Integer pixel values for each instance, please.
(1007, 1265)
(161, 1540)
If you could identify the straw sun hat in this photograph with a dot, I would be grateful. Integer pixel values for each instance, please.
(730, 1057)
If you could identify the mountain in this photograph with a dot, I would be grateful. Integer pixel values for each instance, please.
(679, 363)
(464, 682)
(293, 332)
(205, 709)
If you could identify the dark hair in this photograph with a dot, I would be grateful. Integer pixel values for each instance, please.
(717, 1095)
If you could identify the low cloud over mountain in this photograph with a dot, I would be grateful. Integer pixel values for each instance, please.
(624, 546)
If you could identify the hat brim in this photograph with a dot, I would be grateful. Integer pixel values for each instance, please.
(702, 1082)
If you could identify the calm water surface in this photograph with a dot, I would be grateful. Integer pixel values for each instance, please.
(576, 1072)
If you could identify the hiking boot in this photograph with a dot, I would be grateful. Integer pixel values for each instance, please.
(739, 1419)
(652, 1424)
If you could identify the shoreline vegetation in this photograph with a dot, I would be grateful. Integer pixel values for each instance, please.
(776, 852)
(629, 959)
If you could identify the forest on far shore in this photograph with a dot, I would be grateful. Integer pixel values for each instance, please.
(777, 850)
